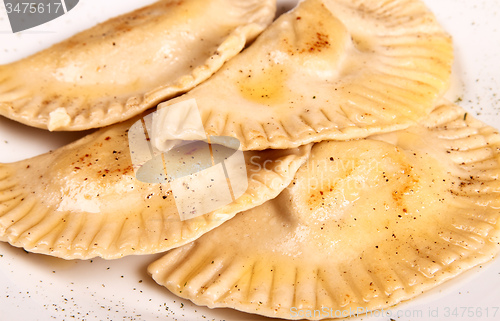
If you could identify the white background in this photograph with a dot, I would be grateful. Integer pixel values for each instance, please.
(37, 287)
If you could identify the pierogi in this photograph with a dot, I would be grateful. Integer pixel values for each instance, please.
(332, 69)
(84, 200)
(128, 64)
(365, 224)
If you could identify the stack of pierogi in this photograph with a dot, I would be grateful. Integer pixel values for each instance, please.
(365, 186)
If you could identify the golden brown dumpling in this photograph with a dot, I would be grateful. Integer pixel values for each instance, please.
(121, 67)
(331, 69)
(84, 200)
(365, 224)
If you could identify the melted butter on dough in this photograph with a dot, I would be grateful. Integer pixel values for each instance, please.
(264, 87)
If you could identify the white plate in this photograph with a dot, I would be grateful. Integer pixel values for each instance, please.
(37, 287)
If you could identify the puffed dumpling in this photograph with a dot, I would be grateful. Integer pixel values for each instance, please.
(83, 200)
(332, 69)
(121, 67)
(364, 225)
